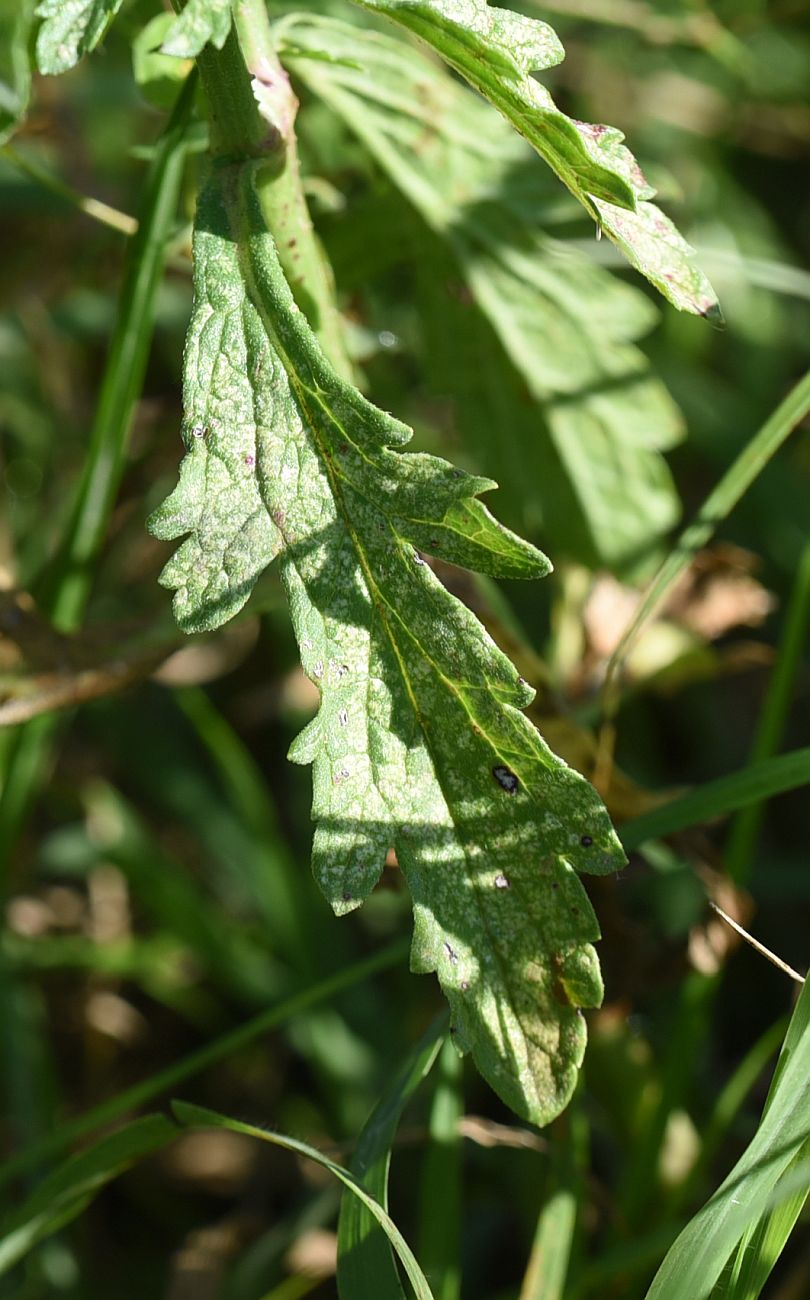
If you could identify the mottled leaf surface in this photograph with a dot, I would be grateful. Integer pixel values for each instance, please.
(583, 457)
(420, 743)
(199, 22)
(497, 52)
(71, 28)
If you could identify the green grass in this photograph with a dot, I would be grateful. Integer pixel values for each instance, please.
(163, 935)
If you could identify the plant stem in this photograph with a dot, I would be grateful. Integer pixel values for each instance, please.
(91, 207)
(70, 577)
(252, 109)
(65, 587)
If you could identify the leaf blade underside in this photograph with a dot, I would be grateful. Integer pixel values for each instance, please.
(420, 743)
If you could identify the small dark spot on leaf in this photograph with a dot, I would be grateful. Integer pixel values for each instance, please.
(347, 898)
(555, 884)
(575, 911)
(451, 954)
(199, 431)
(453, 1030)
(506, 779)
(434, 544)
(586, 841)
(343, 448)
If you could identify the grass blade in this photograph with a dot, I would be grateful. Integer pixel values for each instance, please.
(549, 1263)
(64, 588)
(753, 784)
(763, 1242)
(440, 1200)
(365, 1264)
(695, 1262)
(69, 580)
(69, 1189)
(196, 1062)
(717, 506)
(198, 1117)
(745, 830)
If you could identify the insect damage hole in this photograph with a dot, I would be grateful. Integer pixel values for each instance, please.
(506, 779)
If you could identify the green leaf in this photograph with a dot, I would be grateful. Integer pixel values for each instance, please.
(199, 22)
(365, 1264)
(696, 1259)
(563, 328)
(70, 29)
(198, 1117)
(763, 1242)
(196, 1062)
(440, 1180)
(16, 22)
(65, 1193)
(420, 743)
(754, 783)
(497, 51)
(157, 73)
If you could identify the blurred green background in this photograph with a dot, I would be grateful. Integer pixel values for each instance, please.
(157, 886)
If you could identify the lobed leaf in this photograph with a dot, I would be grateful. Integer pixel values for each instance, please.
(584, 454)
(420, 743)
(199, 22)
(497, 51)
(70, 29)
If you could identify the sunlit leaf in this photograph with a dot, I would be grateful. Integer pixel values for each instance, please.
(71, 28)
(420, 743)
(582, 457)
(497, 51)
(199, 22)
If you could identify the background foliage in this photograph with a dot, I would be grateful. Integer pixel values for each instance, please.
(157, 882)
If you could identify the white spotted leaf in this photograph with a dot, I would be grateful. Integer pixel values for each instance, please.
(505, 308)
(497, 52)
(70, 29)
(420, 743)
(199, 22)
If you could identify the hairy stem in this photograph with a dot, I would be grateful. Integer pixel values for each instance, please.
(252, 110)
